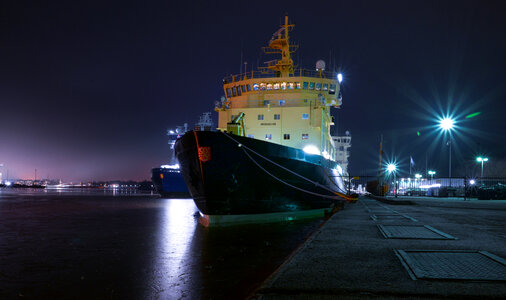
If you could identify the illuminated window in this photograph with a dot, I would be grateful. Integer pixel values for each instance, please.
(243, 88)
(229, 93)
(332, 89)
(305, 116)
(325, 87)
(318, 86)
(283, 85)
(260, 117)
(277, 116)
(304, 86)
(268, 136)
(281, 102)
(305, 136)
(311, 85)
(269, 86)
(286, 136)
(251, 136)
(262, 86)
(267, 102)
(248, 87)
(238, 88)
(276, 86)
(297, 86)
(256, 86)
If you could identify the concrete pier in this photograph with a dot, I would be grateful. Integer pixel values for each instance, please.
(432, 248)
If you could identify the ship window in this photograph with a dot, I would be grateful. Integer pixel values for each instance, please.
(283, 85)
(286, 136)
(251, 136)
(277, 116)
(256, 86)
(267, 102)
(269, 86)
(311, 85)
(248, 87)
(305, 116)
(304, 85)
(325, 87)
(268, 136)
(281, 102)
(318, 86)
(332, 89)
(229, 93)
(262, 86)
(297, 86)
(238, 88)
(305, 136)
(276, 86)
(260, 117)
(243, 88)
(233, 92)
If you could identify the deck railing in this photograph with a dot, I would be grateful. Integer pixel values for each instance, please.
(271, 74)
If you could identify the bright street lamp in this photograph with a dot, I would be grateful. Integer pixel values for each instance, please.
(447, 124)
(482, 160)
(432, 173)
(391, 168)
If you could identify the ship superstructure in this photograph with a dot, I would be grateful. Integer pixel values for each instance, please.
(283, 104)
(273, 153)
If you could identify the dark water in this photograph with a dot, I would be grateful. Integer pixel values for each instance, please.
(119, 245)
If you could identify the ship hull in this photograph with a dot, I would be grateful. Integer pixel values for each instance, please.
(169, 183)
(235, 175)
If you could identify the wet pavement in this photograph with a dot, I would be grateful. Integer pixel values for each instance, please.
(434, 248)
(103, 245)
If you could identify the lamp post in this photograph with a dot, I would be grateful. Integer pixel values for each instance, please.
(432, 173)
(391, 168)
(482, 160)
(446, 124)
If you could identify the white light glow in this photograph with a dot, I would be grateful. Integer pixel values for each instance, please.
(391, 168)
(446, 123)
(8, 183)
(340, 77)
(171, 132)
(418, 175)
(173, 167)
(311, 149)
(430, 186)
(472, 181)
(326, 155)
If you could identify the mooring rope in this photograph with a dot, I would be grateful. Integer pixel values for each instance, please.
(340, 195)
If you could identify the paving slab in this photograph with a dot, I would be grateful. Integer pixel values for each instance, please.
(349, 258)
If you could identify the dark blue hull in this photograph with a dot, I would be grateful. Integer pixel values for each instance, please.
(169, 182)
(225, 178)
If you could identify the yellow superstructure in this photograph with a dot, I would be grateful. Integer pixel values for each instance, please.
(283, 104)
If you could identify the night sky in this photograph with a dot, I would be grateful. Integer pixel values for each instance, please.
(88, 89)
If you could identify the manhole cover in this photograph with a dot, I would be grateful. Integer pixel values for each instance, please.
(453, 264)
(392, 217)
(413, 232)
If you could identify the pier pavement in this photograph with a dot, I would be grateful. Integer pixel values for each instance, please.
(368, 251)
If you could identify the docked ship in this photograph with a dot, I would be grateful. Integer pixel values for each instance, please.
(167, 179)
(273, 156)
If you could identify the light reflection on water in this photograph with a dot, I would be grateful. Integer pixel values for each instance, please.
(173, 258)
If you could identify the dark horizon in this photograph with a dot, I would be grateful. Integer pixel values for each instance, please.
(88, 90)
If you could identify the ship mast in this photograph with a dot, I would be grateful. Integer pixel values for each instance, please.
(280, 44)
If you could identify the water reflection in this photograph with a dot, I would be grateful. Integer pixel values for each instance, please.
(174, 261)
